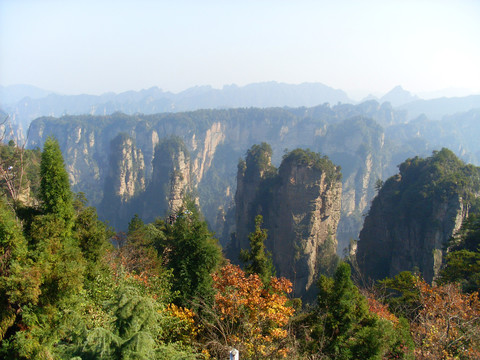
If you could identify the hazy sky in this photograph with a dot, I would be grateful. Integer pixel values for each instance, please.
(98, 46)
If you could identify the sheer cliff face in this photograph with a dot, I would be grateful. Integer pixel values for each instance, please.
(357, 144)
(301, 208)
(126, 176)
(414, 215)
(126, 192)
(391, 242)
(252, 191)
(171, 179)
(124, 180)
(215, 140)
(305, 215)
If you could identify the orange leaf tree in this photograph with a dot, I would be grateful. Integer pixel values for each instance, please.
(448, 323)
(248, 315)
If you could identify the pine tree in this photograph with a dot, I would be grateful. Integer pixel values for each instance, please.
(91, 235)
(54, 186)
(193, 254)
(342, 326)
(55, 253)
(135, 223)
(257, 259)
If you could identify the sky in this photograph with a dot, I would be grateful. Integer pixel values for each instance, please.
(362, 47)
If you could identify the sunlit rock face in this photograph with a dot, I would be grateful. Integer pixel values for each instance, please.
(300, 204)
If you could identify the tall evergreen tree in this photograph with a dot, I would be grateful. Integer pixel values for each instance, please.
(91, 235)
(193, 255)
(258, 260)
(55, 252)
(54, 186)
(135, 223)
(342, 327)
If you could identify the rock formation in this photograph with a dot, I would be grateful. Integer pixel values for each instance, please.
(170, 182)
(126, 192)
(300, 204)
(415, 214)
(125, 179)
(351, 135)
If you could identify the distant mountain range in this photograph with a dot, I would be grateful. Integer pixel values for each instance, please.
(36, 102)
(10, 95)
(25, 103)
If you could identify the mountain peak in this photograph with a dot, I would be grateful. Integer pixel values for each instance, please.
(398, 96)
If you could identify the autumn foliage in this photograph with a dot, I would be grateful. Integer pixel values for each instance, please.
(448, 323)
(381, 310)
(248, 315)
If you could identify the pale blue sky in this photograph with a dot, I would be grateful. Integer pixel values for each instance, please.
(98, 46)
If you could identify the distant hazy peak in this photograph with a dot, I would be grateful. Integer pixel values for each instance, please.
(398, 96)
(369, 97)
(12, 94)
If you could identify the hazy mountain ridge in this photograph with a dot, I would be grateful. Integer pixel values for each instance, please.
(436, 109)
(12, 94)
(25, 103)
(155, 100)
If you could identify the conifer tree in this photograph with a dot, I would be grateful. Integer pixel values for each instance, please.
(257, 259)
(342, 326)
(55, 252)
(193, 254)
(54, 186)
(91, 235)
(135, 223)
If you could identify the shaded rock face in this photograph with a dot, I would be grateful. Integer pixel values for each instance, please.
(125, 179)
(300, 205)
(171, 180)
(252, 184)
(126, 192)
(414, 216)
(358, 144)
(306, 209)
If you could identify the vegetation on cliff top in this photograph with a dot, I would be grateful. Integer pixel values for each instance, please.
(314, 160)
(438, 177)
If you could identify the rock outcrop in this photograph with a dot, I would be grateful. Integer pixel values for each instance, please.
(215, 139)
(127, 192)
(126, 175)
(415, 214)
(300, 205)
(125, 179)
(361, 154)
(171, 180)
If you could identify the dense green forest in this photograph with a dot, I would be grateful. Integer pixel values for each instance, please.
(72, 288)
